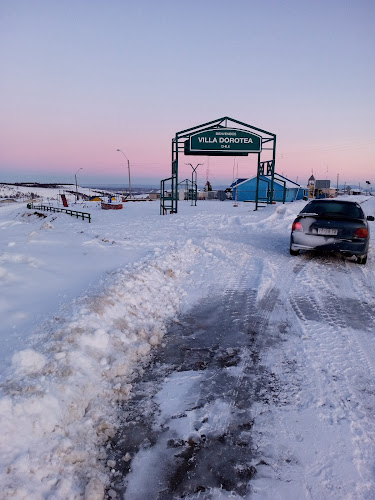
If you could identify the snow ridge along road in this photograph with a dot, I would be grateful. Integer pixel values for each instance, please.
(59, 404)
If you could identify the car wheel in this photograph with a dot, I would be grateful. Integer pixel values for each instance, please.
(293, 252)
(362, 260)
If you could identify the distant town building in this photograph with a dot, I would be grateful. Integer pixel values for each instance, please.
(311, 181)
(322, 188)
(283, 189)
(154, 195)
(311, 186)
(355, 191)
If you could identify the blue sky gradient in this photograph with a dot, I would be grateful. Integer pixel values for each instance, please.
(81, 78)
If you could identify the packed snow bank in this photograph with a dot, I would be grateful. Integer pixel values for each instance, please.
(60, 399)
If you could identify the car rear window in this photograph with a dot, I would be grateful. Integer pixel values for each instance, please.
(334, 208)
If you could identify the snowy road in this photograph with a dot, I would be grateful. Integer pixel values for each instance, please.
(203, 384)
(264, 389)
(183, 357)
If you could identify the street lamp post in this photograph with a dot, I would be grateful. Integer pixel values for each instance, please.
(76, 182)
(127, 159)
(194, 181)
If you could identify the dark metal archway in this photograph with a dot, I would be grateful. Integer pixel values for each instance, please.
(221, 137)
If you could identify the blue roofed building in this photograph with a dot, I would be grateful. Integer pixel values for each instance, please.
(245, 189)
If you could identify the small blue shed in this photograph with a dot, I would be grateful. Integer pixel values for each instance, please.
(247, 189)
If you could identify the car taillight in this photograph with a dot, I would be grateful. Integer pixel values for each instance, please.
(361, 232)
(297, 226)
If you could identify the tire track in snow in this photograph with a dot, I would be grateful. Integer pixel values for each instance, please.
(338, 362)
(206, 443)
(365, 311)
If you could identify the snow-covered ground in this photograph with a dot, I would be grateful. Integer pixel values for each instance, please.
(83, 305)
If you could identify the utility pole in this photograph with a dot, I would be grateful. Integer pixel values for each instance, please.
(194, 183)
(236, 196)
(127, 159)
(76, 183)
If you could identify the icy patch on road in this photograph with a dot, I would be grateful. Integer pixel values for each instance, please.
(60, 400)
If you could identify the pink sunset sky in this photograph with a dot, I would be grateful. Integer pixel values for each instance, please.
(81, 79)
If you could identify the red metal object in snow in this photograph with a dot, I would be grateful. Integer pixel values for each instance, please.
(111, 206)
(64, 200)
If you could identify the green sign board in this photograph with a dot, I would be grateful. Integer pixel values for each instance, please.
(225, 140)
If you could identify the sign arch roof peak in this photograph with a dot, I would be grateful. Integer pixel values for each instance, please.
(223, 123)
